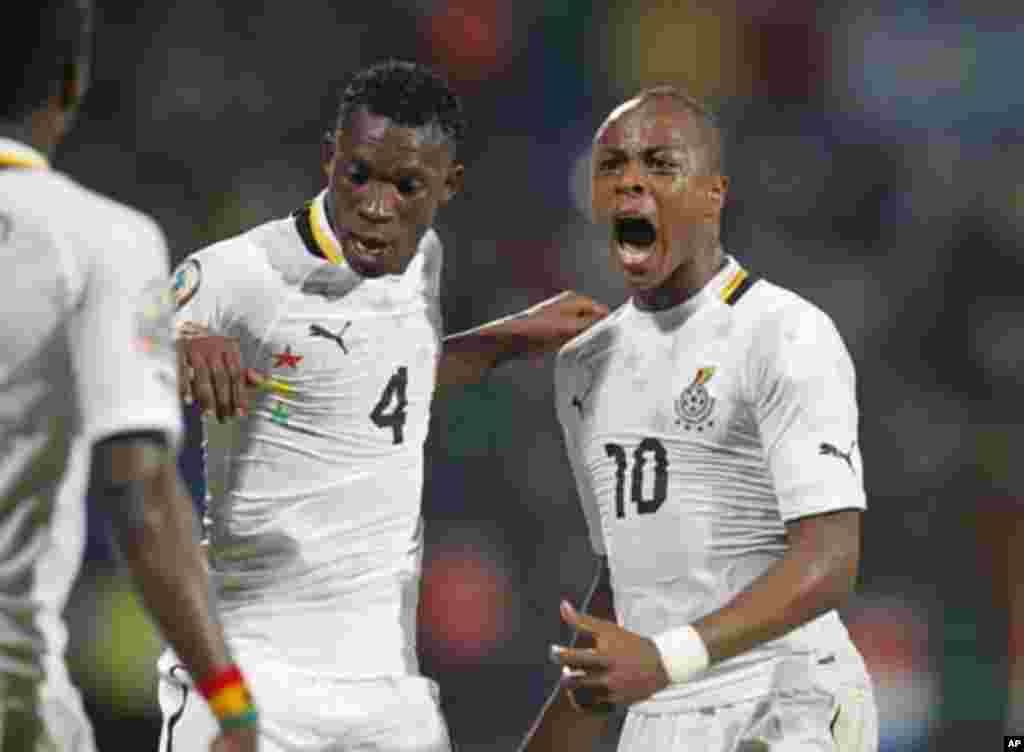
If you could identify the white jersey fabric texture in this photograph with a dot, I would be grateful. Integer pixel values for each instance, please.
(59, 563)
(315, 547)
(694, 434)
(85, 353)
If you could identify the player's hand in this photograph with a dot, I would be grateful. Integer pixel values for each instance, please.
(236, 740)
(621, 668)
(210, 372)
(550, 324)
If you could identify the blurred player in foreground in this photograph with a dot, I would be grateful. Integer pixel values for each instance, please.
(711, 425)
(86, 355)
(334, 312)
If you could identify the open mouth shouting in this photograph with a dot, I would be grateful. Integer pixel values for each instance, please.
(370, 254)
(635, 238)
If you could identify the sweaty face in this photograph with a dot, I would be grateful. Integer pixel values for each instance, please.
(652, 190)
(387, 182)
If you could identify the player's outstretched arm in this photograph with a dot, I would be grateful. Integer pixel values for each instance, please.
(135, 477)
(575, 720)
(468, 355)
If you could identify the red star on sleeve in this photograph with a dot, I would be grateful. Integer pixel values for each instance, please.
(286, 358)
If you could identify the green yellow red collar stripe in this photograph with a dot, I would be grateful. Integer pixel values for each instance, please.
(316, 232)
(17, 154)
(736, 286)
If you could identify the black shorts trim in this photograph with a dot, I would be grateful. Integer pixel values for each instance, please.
(177, 714)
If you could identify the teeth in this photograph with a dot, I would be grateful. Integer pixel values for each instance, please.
(363, 249)
(633, 255)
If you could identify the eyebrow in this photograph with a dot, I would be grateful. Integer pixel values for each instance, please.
(619, 152)
(418, 170)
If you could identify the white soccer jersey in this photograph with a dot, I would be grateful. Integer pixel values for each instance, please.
(315, 547)
(694, 434)
(85, 348)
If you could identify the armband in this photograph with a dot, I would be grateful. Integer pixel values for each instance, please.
(229, 699)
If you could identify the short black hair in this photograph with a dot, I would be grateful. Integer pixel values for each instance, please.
(410, 94)
(709, 124)
(43, 49)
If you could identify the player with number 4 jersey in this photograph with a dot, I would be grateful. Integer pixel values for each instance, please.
(322, 509)
(334, 314)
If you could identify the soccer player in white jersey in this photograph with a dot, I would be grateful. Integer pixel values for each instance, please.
(711, 425)
(87, 356)
(335, 312)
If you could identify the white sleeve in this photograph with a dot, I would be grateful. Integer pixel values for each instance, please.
(120, 337)
(806, 407)
(565, 389)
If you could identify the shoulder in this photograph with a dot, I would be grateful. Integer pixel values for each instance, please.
(96, 239)
(424, 270)
(225, 275)
(787, 333)
(597, 337)
(770, 312)
(91, 220)
(430, 243)
(102, 216)
(432, 252)
(233, 260)
(237, 252)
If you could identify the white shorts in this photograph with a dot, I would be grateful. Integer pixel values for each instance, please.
(303, 713)
(833, 712)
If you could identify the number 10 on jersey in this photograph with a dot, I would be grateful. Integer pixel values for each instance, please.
(647, 450)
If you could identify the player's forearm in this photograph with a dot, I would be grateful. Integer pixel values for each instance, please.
(159, 544)
(466, 358)
(816, 575)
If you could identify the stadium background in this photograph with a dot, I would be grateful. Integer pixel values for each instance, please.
(876, 156)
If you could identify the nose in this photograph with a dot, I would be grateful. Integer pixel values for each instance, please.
(378, 205)
(632, 180)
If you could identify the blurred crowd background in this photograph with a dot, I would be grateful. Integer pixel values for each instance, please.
(876, 155)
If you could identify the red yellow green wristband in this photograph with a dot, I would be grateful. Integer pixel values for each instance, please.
(229, 699)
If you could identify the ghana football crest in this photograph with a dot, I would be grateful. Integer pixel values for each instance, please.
(695, 404)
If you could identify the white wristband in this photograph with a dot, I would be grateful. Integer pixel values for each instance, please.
(683, 653)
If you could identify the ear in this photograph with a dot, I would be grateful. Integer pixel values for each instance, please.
(76, 78)
(327, 151)
(713, 194)
(454, 182)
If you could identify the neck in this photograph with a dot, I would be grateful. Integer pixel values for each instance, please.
(329, 209)
(687, 280)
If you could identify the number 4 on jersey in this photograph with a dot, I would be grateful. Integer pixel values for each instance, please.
(394, 390)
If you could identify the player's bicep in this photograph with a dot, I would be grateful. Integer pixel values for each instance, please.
(807, 415)
(123, 468)
(121, 343)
